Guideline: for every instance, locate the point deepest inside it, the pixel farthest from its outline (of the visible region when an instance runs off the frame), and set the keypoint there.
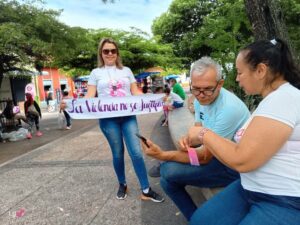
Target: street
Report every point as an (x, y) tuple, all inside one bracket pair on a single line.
[(70, 180), (49, 128)]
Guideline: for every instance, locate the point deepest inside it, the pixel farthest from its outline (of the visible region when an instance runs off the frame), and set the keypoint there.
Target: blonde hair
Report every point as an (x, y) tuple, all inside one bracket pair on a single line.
[(101, 63)]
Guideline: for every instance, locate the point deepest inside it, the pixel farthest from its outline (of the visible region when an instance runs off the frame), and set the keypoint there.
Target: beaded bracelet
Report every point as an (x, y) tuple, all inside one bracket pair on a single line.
[(201, 134)]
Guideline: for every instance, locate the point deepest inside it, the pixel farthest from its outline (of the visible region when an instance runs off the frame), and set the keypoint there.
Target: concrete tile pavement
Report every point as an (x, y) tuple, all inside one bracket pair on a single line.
[(49, 128), (71, 181)]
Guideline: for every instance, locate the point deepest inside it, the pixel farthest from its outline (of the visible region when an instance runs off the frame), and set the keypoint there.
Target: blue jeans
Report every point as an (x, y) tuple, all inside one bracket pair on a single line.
[(115, 130), (33, 119), (175, 176), (177, 104), (68, 118), (235, 206)]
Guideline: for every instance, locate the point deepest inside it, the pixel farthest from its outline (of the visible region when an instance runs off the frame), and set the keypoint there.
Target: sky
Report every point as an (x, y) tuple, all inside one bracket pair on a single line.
[(122, 14)]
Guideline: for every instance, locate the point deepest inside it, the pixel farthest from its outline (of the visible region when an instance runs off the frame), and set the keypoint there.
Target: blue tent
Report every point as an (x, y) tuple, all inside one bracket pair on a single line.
[(82, 78), (171, 76), (143, 75)]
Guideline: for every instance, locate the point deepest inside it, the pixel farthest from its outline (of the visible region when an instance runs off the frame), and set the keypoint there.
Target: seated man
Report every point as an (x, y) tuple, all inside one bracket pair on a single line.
[(217, 109)]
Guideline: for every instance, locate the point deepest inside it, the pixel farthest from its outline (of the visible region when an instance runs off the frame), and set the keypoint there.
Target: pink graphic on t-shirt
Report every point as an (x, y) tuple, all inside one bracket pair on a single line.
[(116, 88)]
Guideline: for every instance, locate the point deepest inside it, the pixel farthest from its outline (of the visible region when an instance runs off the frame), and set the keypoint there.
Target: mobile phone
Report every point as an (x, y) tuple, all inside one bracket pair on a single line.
[(143, 139)]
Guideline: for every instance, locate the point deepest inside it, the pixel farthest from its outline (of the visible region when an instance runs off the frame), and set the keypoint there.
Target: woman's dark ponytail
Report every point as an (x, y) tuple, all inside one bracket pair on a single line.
[(290, 70), (276, 54)]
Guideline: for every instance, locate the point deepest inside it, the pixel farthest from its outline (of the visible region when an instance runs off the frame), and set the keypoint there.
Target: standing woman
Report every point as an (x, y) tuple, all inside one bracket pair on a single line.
[(267, 152), (33, 115), (112, 79)]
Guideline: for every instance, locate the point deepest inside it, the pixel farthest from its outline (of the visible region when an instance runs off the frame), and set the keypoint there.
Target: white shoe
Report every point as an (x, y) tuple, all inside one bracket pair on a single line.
[(68, 128)]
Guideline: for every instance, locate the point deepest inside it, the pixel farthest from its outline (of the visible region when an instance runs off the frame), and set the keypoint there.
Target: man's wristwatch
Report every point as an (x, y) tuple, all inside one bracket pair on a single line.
[(201, 134)]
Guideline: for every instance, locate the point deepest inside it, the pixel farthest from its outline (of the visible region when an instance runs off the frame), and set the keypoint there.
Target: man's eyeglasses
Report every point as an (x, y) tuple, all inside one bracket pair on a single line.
[(107, 51), (206, 92)]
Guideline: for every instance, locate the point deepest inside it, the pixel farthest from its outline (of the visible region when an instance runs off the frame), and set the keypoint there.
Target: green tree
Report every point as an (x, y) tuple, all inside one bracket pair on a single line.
[(179, 25), (291, 15), (221, 29), (30, 36), (137, 49), (225, 30)]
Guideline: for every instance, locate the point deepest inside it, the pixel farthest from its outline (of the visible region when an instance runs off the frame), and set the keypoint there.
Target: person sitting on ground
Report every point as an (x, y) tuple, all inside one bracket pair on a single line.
[(63, 109), (171, 101), (33, 113), (9, 113), (219, 110), (177, 88)]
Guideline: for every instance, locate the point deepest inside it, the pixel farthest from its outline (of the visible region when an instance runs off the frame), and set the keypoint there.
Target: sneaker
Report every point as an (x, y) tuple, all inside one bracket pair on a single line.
[(153, 196), (154, 171), (29, 136), (39, 133), (68, 128), (122, 192)]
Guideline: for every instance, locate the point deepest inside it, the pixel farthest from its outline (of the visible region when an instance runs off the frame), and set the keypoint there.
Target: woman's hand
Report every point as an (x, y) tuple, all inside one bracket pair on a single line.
[(134, 89), (191, 139), (92, 90), (184, 143), (153, 150)]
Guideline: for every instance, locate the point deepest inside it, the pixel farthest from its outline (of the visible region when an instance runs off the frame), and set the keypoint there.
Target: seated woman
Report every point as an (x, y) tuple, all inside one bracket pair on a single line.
[(10, 114), (267, 148)]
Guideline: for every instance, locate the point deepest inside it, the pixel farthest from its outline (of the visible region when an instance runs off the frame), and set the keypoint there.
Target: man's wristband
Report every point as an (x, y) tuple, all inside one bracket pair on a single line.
[(201, 134)]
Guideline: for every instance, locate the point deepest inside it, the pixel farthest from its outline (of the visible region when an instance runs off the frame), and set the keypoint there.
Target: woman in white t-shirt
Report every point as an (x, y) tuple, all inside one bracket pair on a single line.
[(267, 152), (112, 79)]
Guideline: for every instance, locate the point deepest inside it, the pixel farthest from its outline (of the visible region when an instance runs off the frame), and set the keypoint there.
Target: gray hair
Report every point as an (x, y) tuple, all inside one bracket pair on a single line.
[(202, 64)]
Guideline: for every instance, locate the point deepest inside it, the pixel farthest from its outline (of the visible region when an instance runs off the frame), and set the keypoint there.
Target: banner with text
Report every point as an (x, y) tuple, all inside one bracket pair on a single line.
[(97, 108)]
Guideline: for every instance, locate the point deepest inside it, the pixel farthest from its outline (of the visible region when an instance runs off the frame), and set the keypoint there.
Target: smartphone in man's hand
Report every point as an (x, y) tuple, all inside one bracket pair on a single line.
[(143, 139)]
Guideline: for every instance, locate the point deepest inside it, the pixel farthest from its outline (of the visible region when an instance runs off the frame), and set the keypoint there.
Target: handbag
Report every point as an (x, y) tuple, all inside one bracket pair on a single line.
[(61, 120), (32, 110)]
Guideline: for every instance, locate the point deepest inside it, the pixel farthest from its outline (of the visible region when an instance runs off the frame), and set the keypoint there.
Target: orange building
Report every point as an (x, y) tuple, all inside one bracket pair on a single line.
[(52, 80)]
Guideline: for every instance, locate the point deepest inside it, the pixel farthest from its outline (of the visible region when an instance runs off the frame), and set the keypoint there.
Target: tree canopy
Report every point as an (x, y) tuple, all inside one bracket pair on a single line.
[(217, 28), (30, 36), (137, 50), (33, 37)]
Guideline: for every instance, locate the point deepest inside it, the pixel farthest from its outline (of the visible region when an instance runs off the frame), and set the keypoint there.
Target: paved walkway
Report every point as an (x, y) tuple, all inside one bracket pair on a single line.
[(71, 181), (49, 128)]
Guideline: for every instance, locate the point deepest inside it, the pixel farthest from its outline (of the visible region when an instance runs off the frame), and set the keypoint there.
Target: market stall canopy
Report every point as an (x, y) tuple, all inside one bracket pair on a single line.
[(171, 76), (82, 78), (143, 75)]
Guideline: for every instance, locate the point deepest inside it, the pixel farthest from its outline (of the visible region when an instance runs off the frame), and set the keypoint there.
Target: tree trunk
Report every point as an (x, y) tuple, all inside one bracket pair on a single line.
[(267, 21), (1, 78)]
